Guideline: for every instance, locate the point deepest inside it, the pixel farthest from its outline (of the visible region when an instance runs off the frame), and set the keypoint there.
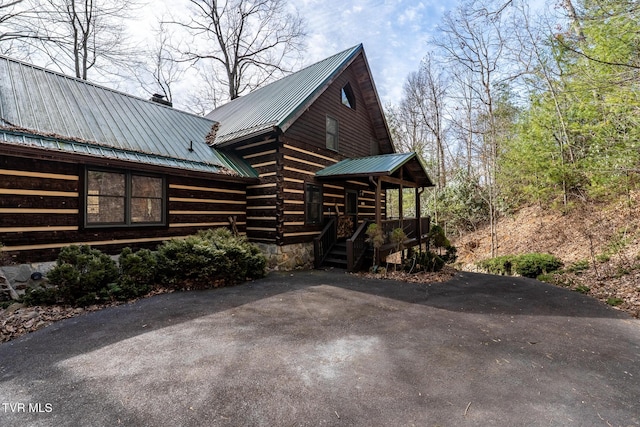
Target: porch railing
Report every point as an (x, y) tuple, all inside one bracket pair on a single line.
[(412, 227), (323, 243), (415, 230), (357, 247)]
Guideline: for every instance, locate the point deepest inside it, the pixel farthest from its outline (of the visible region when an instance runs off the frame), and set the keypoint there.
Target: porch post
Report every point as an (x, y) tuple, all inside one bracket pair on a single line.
[(419, 219), (400, 191), (376, 255), (379, 202)]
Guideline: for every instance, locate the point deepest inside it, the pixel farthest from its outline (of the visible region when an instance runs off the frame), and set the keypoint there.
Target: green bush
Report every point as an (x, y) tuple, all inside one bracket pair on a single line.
[(527, 265), (84, 276), (614, 301), (40, 296), (578, 267), (439, 241), (430, 261), (375, 235), (582, 289), (534, 264), (137, 273), (502, 265), (209, 258), (81, 274)]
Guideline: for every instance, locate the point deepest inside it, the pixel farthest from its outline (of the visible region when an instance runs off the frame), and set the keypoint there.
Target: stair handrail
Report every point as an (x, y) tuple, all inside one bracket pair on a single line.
[(324, 241), (356, 247)]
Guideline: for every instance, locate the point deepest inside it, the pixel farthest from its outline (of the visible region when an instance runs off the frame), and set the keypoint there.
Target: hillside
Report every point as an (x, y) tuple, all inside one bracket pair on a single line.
[(598, 243)]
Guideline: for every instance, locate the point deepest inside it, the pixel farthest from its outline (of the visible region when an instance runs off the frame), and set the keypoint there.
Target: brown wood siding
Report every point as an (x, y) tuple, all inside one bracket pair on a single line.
[(262, 198), (356, 132), (300, 162), (196, 204), (40, 210)]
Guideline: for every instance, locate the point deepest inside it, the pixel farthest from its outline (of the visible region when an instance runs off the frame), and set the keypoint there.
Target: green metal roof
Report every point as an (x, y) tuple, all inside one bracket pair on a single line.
[(47, 110), (277, 103), (385, 164)]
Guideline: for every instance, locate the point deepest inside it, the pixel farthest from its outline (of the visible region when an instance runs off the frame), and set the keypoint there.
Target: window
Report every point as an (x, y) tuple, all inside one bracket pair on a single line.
[(123, 199), (348, 98), (313, 203), (332, 133)]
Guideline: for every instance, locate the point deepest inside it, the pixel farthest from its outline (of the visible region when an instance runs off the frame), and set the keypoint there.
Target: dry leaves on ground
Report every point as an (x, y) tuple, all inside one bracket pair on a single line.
[(444, 275), (19, 321)]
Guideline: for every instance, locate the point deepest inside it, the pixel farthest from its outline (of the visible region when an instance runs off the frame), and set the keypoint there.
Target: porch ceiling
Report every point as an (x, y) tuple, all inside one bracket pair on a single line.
[(394, 169)]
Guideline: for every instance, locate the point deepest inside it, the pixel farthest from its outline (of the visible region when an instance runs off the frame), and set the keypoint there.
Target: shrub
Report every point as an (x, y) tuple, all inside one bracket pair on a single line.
[(614, 301), (534, 264), (137, 273), (527, 265), (40, 296), (582, 289), (502, 265), (430, 261), (375, 235), (438, 240), (397, 238), (578, 267), (81, 274), (209, 258)]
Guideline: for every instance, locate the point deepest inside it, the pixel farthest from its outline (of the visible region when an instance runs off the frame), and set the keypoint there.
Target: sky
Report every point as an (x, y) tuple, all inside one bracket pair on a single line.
[(395, 35)]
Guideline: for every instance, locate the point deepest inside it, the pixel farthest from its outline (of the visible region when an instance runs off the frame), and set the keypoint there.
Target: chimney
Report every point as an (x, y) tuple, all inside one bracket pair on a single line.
[(156, 97)]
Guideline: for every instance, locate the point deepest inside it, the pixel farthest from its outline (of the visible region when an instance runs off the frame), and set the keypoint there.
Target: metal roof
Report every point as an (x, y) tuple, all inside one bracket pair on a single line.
[(90, 119), (274, 104), (384, 164)]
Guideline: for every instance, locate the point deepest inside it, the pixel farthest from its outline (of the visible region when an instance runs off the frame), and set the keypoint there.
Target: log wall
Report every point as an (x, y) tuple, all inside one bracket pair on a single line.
[(41, 210), (261, 197), (356, 129), (299, 166)]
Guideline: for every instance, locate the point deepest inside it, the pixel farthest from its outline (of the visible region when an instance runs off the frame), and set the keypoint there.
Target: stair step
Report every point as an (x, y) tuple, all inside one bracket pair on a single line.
[(338, 261)]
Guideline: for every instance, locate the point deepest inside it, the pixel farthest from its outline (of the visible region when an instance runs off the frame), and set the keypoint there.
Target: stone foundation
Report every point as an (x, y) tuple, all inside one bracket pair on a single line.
[(16, 279), (289, 257)]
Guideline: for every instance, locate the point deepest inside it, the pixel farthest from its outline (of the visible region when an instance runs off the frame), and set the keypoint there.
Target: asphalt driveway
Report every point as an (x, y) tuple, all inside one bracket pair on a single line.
[(327, 348)]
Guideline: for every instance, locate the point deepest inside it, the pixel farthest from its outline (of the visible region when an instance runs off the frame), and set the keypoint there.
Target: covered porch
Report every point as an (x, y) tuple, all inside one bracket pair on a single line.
[(380, 173)]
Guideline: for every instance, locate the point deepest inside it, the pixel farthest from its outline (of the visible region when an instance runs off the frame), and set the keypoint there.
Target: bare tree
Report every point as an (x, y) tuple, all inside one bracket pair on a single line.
[(14, 28), (249, 40), (9, 12), (425, 95), (162, 68), (81, 35), (472, 37)]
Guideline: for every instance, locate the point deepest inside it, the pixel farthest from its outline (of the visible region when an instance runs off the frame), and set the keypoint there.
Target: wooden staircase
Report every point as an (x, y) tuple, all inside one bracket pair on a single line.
[(337, 256), (354, 253)]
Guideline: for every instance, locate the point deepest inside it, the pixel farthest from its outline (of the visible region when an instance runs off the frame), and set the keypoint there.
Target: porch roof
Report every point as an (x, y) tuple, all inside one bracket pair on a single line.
[(388, 165)]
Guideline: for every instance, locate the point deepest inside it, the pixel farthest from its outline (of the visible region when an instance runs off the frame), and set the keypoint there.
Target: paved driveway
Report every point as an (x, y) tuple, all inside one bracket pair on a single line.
[(326, 348)]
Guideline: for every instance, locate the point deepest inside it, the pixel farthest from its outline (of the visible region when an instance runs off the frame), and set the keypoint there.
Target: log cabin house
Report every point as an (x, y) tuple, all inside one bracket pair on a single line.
[(300, 166)]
